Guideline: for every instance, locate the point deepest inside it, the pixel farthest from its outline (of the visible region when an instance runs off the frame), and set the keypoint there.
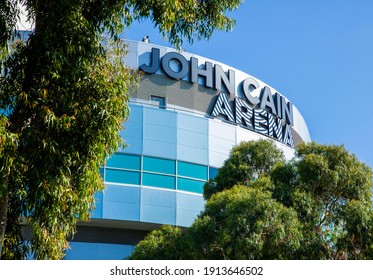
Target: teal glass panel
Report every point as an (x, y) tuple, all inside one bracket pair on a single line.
[(213, 172), (159, 165), (124, 161), (160, 181), (190, 185), (192, 170), (121, 176)]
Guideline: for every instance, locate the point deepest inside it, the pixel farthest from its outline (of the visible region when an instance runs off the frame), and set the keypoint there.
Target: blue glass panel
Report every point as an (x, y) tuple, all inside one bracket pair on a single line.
[(81, 251), (102, 172), (97, 251), (160, 101), (213, 172), (190, 185), (124, 161), (159, 165), (114, 251), (161, 181), (121, 176), (192, 170), (97, 211)]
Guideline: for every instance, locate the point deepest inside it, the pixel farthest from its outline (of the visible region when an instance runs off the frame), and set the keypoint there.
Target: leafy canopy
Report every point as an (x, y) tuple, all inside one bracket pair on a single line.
[(63, 99), (316, 206), (247, 162)]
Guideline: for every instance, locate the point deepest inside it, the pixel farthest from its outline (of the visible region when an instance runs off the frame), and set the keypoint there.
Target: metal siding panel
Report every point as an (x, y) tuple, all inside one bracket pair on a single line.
[(121, 203), (190, 202), (188, 208), (192, 154), (159, 133), (97, 212), (159, 148), (158, 206), (133, 131), (222, 137), (193, 123), (192, 139)]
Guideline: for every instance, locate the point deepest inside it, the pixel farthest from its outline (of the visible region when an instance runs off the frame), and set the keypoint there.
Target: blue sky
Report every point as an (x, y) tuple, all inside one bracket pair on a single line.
[(318, 53)]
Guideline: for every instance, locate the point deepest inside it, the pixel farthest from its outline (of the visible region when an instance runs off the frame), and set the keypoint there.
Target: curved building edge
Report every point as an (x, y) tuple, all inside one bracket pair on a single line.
[(174, 145)]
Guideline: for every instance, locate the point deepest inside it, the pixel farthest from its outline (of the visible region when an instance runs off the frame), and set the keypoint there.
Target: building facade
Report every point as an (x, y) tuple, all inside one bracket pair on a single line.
[(187, 114)]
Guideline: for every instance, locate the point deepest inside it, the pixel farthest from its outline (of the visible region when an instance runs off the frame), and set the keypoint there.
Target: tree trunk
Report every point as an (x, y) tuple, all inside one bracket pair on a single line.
[(3, 218)]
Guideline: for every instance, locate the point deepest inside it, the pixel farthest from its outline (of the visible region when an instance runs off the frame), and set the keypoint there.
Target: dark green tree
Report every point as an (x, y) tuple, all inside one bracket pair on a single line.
[(331, 190), (247, 162), (63, 99), (316, 206), (165, 243), (240, 223)]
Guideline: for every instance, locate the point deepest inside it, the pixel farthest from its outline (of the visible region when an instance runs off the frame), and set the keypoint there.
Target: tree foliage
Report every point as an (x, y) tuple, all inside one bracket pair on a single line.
[(63, 100), (316, 206), (247, 162), (163, 244), (8, 20), (332, 192)]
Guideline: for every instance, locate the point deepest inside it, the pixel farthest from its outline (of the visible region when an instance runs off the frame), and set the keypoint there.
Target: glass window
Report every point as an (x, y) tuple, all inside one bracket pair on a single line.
[(158, 101), (124, 161), (159, 165), (190, 185), (192, 170), (213, 172), (121, 176), (156, 180)]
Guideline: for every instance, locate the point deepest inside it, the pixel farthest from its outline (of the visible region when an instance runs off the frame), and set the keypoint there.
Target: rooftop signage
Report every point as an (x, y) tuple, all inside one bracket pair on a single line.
[(269, 113)]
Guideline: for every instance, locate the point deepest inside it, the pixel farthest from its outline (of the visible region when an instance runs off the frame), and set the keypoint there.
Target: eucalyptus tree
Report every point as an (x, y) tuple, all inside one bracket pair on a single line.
[(63, 100), (331, 190), (259, 206), (237, 223)]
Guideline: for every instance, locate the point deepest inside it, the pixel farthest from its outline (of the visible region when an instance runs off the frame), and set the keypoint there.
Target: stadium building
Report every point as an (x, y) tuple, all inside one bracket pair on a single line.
[(187, 114)]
